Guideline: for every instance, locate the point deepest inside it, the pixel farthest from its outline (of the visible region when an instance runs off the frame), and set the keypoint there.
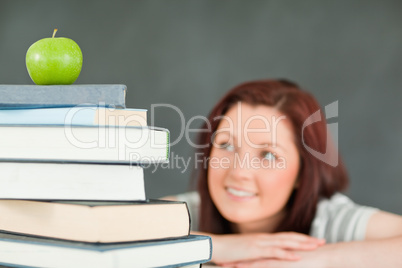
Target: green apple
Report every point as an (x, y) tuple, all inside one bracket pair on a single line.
[(54, 61)]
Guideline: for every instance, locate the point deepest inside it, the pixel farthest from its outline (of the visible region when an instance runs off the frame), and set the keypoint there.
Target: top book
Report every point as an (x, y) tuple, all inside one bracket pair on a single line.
[(33, 96)]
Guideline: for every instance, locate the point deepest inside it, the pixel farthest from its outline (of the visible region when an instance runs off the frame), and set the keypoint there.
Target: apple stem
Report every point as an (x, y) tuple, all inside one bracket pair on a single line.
[(54, 33)]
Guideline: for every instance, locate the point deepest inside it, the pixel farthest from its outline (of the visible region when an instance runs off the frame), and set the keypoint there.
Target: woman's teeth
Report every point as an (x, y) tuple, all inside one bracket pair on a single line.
[(239, 193)]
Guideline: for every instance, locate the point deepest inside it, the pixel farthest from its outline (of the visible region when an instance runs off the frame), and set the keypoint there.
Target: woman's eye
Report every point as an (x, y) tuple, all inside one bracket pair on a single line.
[(226, 146), (268, 155)]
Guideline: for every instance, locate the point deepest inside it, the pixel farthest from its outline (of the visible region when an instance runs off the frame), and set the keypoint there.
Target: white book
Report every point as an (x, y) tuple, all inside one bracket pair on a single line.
[(45, 181), (35, 252), (84, 144)]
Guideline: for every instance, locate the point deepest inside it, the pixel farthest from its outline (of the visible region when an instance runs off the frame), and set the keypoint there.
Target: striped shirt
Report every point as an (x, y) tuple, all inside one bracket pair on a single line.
[(337, 219)]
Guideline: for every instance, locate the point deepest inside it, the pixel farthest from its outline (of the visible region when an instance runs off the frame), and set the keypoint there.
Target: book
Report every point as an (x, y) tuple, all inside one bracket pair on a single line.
[(89, 144), (34, 96), (40, 252), (41, 181), (79, 115), (96, 221)]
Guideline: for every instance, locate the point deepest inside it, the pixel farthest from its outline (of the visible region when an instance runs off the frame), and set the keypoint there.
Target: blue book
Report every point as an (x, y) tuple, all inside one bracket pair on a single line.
[(26, 251), (79, 115), (33, 96)]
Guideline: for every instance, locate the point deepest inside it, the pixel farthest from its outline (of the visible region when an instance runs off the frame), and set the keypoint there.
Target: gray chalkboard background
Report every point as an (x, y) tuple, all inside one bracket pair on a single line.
[(187, 53)]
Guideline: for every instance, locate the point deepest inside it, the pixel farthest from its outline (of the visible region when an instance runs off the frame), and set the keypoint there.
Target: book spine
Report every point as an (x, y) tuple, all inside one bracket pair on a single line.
[(32, 96)]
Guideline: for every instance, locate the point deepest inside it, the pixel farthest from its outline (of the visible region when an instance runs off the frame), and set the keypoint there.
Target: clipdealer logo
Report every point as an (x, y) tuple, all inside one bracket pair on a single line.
[(331, 151)]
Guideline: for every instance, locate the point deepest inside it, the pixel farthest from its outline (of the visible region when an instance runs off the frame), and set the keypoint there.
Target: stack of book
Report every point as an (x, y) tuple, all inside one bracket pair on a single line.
[(72, 186)]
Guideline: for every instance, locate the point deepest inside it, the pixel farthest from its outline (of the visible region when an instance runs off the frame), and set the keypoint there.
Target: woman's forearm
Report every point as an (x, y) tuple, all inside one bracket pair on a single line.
[(229, 248), (369, 253), (373, 253)]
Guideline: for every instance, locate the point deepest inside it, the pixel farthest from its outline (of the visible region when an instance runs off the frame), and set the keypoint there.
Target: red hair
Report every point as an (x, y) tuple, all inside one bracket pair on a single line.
[(316, 178)]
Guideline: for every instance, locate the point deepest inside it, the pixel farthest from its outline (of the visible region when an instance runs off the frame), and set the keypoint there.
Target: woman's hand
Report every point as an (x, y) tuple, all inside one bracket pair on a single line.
[(232, 248)]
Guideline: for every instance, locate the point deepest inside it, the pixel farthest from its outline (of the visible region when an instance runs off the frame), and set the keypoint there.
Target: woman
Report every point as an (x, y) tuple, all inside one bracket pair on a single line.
[(269, 193)]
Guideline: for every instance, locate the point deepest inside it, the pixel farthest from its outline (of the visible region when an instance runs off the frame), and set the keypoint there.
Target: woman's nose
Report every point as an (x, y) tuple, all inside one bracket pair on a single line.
[(241, 167)]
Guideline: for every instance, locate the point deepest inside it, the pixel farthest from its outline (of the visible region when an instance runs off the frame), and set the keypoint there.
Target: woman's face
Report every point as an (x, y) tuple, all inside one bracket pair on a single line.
[(253, 167)]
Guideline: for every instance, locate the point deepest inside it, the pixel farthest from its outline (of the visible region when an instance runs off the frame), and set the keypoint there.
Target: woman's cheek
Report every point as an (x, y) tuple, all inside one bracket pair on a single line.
[(278, 183), (215, 179)]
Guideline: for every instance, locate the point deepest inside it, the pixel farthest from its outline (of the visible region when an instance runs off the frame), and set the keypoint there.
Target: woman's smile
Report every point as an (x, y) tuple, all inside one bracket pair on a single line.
[(240, 195)]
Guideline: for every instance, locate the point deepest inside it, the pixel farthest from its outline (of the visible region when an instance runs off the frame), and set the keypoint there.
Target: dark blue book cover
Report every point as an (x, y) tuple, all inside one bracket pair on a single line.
[(26, 251)]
